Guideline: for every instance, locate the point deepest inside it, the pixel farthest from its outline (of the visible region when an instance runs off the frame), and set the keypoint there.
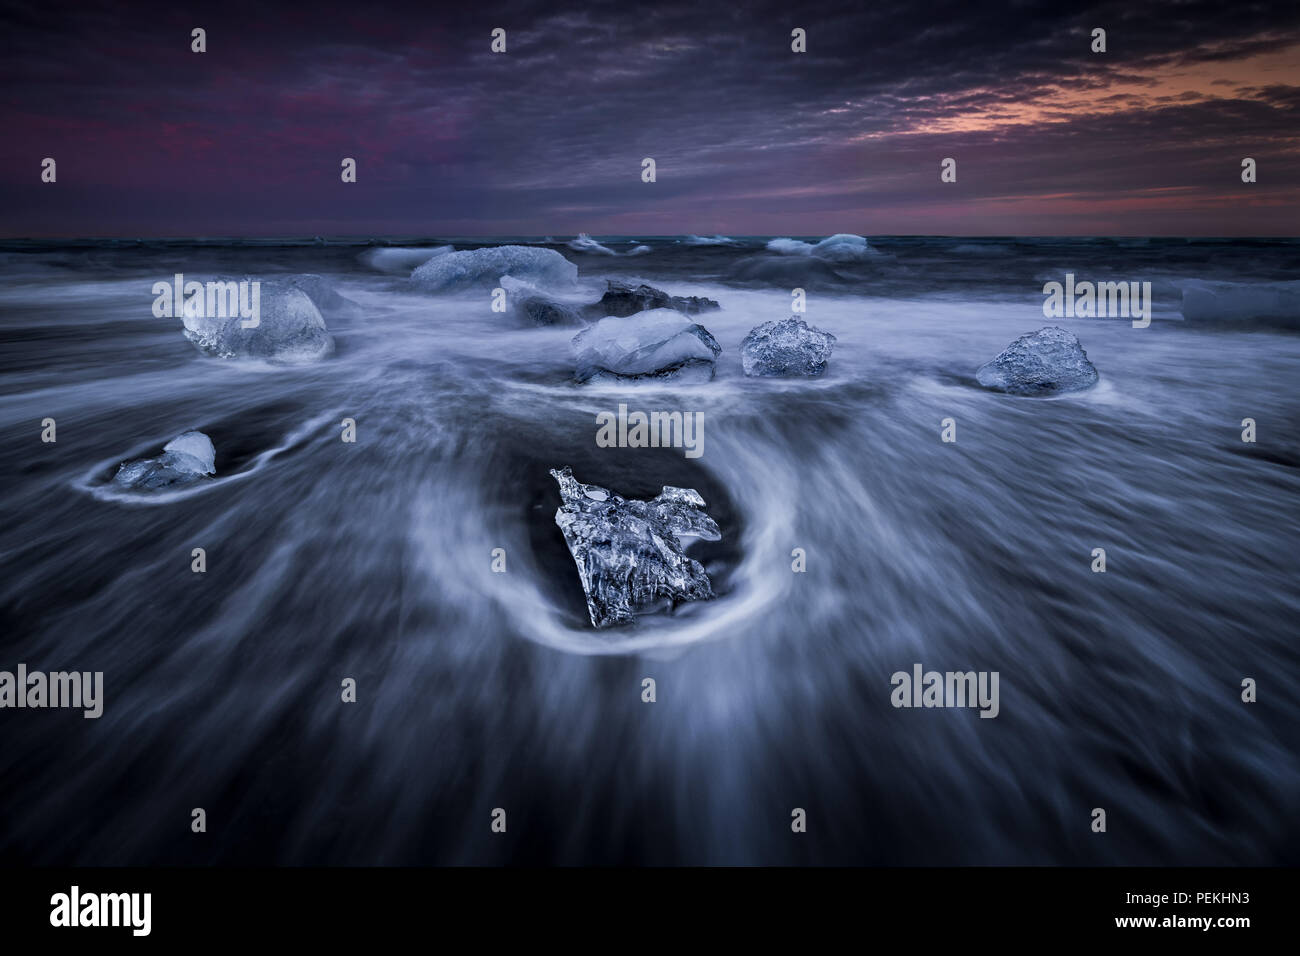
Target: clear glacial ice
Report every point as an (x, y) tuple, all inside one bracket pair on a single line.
[(483, 268), (790, 347), (629, 553), (289, 327), (1043, 363), (661, 343), (187, 458)]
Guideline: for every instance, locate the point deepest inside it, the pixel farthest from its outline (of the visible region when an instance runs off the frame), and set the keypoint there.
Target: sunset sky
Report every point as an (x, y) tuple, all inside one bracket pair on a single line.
[(749, 138)]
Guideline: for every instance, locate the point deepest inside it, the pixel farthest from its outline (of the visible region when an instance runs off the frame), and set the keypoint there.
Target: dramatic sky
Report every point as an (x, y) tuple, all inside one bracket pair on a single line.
[(749, 138)]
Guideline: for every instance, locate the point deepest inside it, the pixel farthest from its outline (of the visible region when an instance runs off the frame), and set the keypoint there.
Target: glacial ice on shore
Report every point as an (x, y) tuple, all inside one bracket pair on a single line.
[(658, 344), (484, 268), (623, 299), (1046, 362), (187, 458), (536, 307), (629, 554), (289, 327), (790, 347)]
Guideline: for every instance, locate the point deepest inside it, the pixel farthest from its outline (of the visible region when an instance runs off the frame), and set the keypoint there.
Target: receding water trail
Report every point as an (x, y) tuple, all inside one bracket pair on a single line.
[(477, 689)]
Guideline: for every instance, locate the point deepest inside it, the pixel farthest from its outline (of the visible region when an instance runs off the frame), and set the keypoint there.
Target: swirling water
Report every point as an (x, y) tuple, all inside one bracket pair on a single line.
[(479, 690)]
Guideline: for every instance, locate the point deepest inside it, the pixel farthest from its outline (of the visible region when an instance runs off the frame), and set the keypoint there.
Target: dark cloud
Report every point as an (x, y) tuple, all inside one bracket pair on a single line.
[(748, 137)]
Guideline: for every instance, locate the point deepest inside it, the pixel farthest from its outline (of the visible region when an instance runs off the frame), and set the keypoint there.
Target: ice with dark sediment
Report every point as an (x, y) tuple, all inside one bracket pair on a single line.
[(287, 326), (629, 552), (624, 299), (540, 310), (1047, 362), (483, 268), (533, 306), (790, 348), (660, 344), (186, 459)]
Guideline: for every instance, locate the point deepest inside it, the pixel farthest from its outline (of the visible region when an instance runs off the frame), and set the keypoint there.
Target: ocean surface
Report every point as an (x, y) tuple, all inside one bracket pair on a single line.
[(478, 690)]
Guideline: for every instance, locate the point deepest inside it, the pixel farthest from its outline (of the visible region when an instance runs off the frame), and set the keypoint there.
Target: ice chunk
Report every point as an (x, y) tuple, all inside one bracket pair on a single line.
[(186, 459), (289, 326), (789, 347), (841, 247), (539, 310), (323, 295), (790, 247), (483, 268), (196, 446), (628, 552), (1275, 304), (584, 243), (535, 307), (709, 241), (622, 299), (657, 344), (402, 261), (1045, 362)]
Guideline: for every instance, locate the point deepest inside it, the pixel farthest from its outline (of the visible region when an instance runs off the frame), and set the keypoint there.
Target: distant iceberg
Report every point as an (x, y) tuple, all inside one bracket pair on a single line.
[(402, 261), (1274, 304), (584, 243), (840, 247), (483, 268), (790, 247), (638, 251), (709, 241)]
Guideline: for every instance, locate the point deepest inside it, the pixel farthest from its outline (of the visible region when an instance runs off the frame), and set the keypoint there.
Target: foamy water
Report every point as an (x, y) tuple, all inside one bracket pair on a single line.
[(478, 690)]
